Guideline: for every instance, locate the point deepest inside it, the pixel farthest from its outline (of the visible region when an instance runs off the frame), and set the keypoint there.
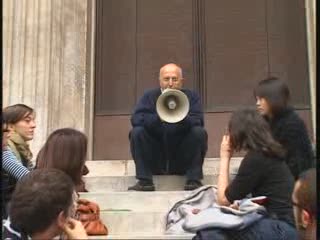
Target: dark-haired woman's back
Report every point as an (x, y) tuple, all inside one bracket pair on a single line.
[(263, 175), (290, 130)]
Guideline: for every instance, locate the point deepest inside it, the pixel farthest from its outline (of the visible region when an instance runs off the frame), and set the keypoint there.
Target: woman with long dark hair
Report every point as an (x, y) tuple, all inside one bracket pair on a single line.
[(65, 149), (262, 172), (272, 99)]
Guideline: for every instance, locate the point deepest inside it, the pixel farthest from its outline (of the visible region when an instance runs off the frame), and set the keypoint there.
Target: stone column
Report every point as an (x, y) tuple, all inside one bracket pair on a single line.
[(310, 6), (44, 62)]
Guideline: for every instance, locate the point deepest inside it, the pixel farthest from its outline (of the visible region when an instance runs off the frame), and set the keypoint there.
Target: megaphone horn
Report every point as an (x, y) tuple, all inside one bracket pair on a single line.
[(172, 105)]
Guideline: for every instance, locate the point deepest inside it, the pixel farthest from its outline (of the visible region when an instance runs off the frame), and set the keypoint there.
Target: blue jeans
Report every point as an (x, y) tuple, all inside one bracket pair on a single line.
[(265, 229)]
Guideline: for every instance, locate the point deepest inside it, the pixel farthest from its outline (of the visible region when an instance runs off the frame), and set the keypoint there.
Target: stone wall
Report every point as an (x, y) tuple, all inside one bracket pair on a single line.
[(44, 62)]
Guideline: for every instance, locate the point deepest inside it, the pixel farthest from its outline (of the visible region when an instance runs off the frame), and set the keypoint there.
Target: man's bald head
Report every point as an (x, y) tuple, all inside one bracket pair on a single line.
[(304, 197), (170, 76)]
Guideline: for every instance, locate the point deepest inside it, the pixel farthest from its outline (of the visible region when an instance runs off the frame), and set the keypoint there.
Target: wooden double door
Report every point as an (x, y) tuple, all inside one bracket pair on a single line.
[(224, 48)]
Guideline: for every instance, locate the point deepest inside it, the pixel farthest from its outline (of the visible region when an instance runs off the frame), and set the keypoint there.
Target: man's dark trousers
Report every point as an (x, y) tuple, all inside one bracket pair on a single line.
[(169, 152)]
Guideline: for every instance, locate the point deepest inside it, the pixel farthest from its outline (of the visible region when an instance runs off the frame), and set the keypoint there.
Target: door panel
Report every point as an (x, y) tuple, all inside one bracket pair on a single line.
[(115, 57), (236, 52), (111, 138), (164, 35), (288, 48), (223, 47)]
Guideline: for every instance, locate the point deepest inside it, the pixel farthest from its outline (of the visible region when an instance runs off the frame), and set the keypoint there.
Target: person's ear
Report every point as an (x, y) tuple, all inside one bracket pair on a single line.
[(181, 82), (305, 218), (62, 219)]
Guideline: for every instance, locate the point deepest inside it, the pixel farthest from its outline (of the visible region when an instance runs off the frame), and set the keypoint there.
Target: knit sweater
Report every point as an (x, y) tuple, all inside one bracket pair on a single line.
[(289, 129), (12, 166)]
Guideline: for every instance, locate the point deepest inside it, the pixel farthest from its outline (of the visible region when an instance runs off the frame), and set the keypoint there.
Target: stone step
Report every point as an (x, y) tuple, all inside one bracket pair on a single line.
[(127, 167), (119, 175), (139, 215), (136, 215), (143, 235), (134, 222), (135, 201), (161, 182)]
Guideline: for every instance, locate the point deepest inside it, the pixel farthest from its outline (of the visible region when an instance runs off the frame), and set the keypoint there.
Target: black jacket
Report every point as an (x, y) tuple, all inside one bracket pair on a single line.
[(263, 175), (289, 129)]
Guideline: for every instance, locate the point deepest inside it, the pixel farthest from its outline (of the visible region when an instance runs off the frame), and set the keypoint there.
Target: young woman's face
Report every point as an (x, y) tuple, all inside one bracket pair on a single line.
[(263, 106), (25, 127)]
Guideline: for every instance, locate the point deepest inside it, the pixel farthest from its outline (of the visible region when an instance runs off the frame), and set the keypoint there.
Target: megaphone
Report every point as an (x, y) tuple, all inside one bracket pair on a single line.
[(172, 105)]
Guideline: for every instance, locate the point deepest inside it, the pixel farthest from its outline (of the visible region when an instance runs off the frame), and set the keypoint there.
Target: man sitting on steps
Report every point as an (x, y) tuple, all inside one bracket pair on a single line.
[(158, 147)]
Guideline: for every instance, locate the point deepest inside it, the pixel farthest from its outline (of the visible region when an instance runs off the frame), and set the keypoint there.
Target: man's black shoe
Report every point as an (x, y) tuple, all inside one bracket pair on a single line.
[(142, 186), (192, 185)]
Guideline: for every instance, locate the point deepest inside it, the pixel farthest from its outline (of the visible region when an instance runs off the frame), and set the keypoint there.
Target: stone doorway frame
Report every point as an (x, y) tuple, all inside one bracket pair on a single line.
[(90, 75)]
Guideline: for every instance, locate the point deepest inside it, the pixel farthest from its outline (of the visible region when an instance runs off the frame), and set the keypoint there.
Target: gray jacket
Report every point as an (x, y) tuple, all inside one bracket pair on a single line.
[(180, 218)]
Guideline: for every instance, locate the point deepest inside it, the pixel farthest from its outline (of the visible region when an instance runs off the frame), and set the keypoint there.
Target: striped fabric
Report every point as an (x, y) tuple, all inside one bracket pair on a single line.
[(12, 166)]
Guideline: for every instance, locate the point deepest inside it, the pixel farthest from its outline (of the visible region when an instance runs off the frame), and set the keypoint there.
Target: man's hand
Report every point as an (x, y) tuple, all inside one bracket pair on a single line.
[(74, 229), (225, 149)]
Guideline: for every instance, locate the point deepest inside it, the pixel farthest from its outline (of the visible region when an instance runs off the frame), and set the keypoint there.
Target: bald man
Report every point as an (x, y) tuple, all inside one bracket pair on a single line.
[(158, 147)]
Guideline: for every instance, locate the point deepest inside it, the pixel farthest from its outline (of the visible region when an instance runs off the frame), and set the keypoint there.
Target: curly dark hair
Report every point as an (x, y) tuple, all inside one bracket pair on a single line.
[(248, 130), (39, 198)]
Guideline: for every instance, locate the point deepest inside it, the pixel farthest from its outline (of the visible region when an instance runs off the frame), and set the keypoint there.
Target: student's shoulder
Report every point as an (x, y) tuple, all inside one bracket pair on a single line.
[(8, 152), (292, 118), (258, 158)]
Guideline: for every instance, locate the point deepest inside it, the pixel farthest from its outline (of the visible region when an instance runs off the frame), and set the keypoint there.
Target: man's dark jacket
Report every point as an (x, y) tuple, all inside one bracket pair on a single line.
[(145, 113)]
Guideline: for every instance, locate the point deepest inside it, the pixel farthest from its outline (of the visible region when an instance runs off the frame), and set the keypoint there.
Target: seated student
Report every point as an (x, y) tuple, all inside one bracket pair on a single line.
[(11, 168), (272, 96), (42, 207), (66, 149), (304, 200), (10, 164), (20, 121), (262, 172)]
